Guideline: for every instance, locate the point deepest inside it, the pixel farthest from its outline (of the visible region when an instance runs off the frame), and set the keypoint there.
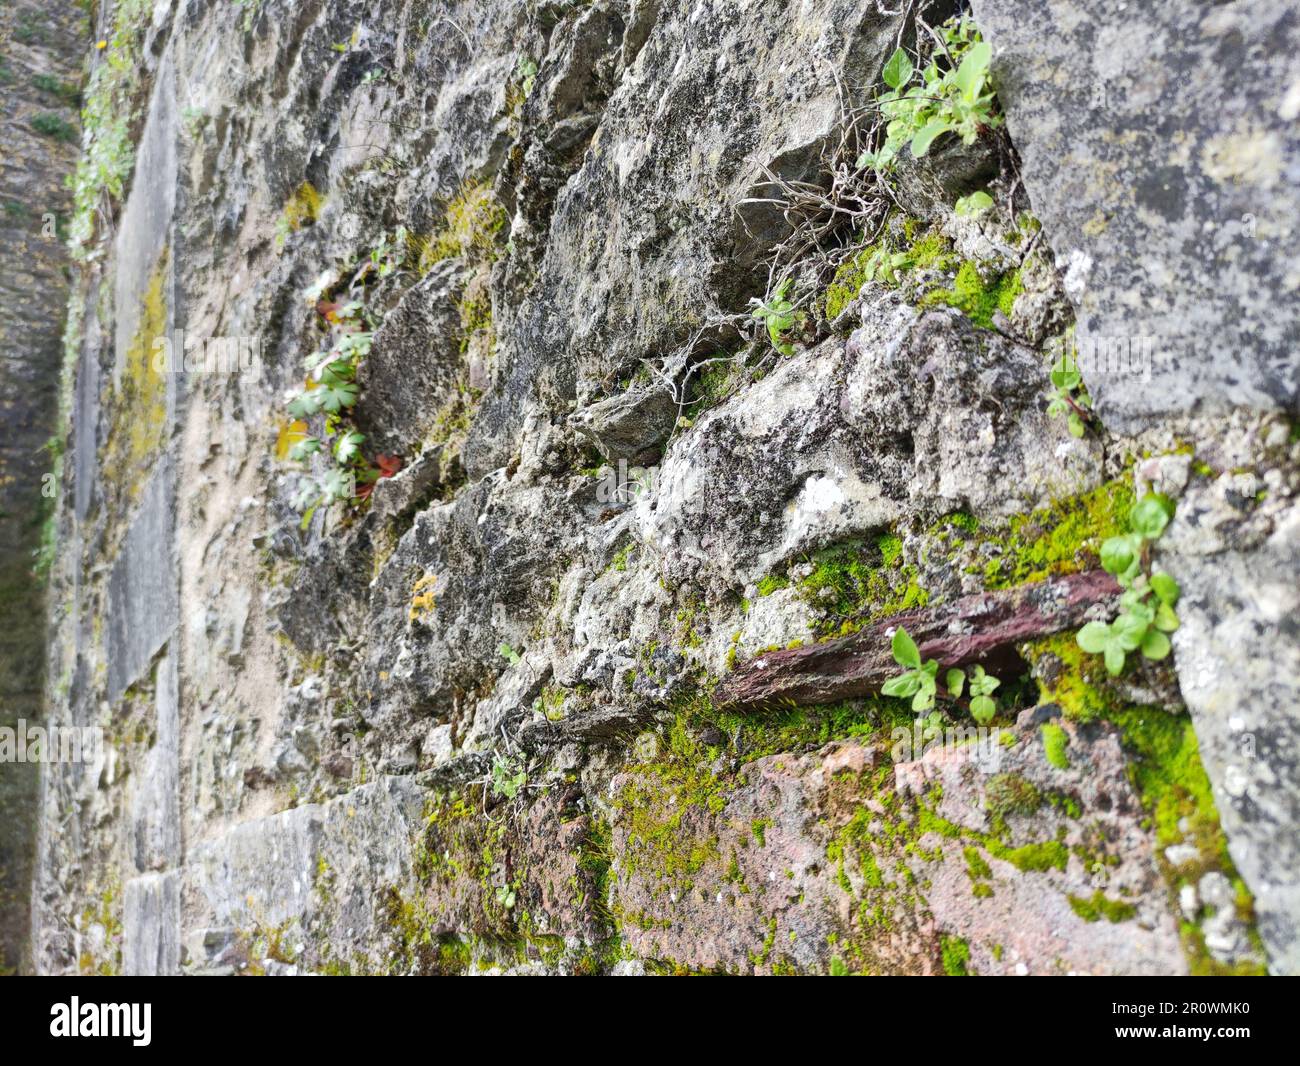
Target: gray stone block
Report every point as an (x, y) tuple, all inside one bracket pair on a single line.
[(1160, 148), (151, 925), (155, 803), (143, 607)]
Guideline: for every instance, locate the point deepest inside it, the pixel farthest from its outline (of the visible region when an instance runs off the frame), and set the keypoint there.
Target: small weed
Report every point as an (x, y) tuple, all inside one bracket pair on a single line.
[(1147, 604)]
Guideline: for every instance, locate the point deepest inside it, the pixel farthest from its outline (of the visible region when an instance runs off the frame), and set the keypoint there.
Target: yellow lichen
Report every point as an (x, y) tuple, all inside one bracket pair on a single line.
[(473, 220), (423, 603), (138, 425), (303, 206)]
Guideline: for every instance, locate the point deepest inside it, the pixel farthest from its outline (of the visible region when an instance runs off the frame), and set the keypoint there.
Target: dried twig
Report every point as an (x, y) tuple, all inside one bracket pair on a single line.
[(971, 629)]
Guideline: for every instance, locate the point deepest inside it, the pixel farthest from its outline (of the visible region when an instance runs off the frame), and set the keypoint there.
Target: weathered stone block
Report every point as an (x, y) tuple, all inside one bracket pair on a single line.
[(143, 604)]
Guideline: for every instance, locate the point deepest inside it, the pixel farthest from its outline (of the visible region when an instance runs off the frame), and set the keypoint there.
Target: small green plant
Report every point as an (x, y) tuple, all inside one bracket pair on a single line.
[(974, 204), (109, 108), (778, 314), (1146, 615), (65, 91), (506, 896), (950, 95), (919, 681), (509, 654), (508, 776), (981, 686), (330, 390), (55, 126), (1069, 397)]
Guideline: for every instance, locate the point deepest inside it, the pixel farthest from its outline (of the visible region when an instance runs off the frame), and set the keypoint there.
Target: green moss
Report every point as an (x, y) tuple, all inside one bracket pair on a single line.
[(301, 209), (621, 558), (898, 252), (55, 126), (976, 867), (1055, 741), (104, 911), (69, 93), (1100, 906), (662, 793), (1165, 770), (755, 734), (976, 296), (956, 956), (714, 382), (860, 581), (771, 584), (111, 95), (1061, 538), (473, 220), (475, 308), (1009, 794), (1048, 855)]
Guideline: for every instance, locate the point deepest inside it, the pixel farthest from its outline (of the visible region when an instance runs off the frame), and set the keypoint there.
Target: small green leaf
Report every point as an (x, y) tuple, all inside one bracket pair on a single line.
[(334, 398), (898, 69), (1119, 555), (982, 709), (1129, 630), (305, 404), (1166, 588), (970, 75), (1150, 515), (974, 204), (1114, 656), (338, 484), (1166, 620), (1075, 425), (902, 686), (956, 679), (303, 449), (1094, 637), (1065, 374), (922, 141), (348, 446), (905, 650), (1155, 645)]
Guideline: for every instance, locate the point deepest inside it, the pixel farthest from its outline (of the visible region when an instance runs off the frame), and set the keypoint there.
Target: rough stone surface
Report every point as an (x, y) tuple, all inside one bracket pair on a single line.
[(470, 721), (1241, 646), (142, 603), (1158, 148)]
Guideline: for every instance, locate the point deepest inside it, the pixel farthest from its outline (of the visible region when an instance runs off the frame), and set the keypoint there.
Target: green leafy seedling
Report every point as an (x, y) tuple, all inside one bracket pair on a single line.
[(974, 204), (918, 682), (779, 316), (508, 777), (1146, 614), (982, 705), (1069, 397), (921, 106)]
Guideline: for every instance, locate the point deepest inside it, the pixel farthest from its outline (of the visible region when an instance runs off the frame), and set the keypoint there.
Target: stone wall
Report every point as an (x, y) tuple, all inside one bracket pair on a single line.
[(473, 717), (40, 51)]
